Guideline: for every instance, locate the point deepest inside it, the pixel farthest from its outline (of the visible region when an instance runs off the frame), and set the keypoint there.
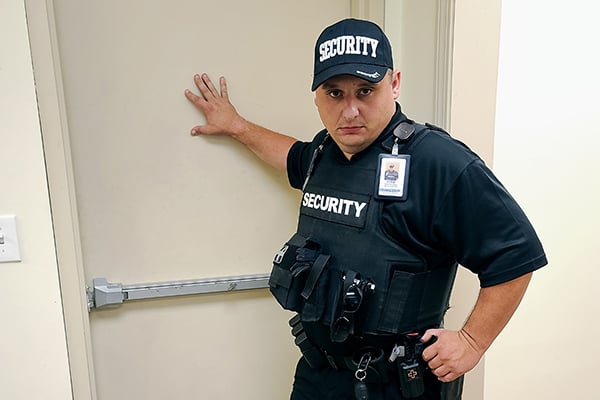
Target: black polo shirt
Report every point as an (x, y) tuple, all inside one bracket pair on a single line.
[(456, 210)]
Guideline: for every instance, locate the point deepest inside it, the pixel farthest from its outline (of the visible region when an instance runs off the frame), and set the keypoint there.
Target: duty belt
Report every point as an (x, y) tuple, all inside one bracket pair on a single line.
[(371, 364)]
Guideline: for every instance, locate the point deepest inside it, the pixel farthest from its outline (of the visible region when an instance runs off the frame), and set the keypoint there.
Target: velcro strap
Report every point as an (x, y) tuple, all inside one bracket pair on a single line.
[(297, 240), (314, 275)]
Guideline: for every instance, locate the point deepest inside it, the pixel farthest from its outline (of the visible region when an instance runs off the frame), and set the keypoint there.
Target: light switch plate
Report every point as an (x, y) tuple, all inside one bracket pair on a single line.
[(9, 242)]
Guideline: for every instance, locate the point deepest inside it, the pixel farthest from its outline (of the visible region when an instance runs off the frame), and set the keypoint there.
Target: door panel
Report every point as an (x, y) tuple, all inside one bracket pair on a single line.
[(156, 204)]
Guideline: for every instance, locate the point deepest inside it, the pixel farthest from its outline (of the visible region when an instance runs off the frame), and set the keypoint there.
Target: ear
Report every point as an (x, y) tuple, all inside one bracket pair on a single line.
[(396, 84)]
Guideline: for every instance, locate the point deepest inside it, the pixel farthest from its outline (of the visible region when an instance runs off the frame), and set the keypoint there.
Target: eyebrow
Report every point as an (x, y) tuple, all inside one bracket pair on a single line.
[(329, 85)]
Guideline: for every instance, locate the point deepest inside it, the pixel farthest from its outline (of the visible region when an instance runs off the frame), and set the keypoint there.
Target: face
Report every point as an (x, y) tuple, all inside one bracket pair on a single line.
[(355, 111)]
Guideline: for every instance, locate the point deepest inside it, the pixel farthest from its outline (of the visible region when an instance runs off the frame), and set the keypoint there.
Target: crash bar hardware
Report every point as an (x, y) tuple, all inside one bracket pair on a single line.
[(105, 294)]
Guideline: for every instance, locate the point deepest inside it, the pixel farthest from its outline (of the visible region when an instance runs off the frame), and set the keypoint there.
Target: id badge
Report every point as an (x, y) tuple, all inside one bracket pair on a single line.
[(392, 175)]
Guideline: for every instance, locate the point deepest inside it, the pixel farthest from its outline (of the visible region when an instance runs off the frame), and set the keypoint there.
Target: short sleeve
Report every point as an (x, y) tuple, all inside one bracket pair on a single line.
[(485, 228), (299, 158)]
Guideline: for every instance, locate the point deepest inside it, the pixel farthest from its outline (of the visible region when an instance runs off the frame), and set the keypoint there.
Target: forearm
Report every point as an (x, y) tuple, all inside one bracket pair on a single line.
[(455, 353), (493, 309), (271, 147)]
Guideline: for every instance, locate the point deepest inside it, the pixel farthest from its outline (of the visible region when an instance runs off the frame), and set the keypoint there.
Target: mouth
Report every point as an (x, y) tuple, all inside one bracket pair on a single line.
[(349, 130)]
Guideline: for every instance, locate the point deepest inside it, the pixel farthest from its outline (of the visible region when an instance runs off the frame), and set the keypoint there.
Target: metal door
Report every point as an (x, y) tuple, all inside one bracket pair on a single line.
[(155, 204)]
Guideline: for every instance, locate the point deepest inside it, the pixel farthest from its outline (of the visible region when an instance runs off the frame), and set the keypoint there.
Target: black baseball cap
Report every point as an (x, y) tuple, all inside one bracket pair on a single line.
[(352, 47)]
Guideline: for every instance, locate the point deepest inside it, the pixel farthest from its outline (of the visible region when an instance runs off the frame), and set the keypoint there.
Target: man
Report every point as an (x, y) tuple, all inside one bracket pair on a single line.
[(370, 269), (391, 174)]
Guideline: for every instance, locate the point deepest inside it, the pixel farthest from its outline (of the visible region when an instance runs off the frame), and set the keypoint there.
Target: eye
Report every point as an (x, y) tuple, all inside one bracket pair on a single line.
[(335, 93), (365, 91)]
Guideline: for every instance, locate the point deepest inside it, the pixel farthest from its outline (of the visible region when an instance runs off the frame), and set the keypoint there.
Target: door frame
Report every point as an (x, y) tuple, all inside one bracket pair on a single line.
[(52, 113), (57, 153)]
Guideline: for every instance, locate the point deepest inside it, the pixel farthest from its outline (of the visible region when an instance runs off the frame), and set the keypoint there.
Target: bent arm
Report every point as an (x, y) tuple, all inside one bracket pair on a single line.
[(493, 309), (223, 119), (457, 352)]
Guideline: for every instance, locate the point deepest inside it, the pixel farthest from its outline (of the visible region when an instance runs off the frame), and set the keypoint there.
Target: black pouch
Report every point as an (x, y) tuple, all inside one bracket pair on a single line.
[(291, 266), (315, 290), (400, 302), (416, 300)]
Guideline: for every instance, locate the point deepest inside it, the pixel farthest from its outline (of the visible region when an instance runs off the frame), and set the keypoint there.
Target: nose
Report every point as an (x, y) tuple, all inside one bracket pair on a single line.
[(350, 110)]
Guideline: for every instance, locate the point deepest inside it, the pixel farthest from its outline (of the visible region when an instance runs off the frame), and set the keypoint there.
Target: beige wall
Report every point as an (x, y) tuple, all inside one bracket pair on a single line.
[(33, 355), (546, 152), (474, 71)]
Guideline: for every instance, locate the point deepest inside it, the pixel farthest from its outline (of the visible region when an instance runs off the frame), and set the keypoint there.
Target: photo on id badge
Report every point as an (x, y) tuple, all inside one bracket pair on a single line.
[(393, 176)]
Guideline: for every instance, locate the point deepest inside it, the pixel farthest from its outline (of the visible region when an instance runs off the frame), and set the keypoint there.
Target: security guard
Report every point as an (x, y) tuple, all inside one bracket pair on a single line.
[(370, 269)]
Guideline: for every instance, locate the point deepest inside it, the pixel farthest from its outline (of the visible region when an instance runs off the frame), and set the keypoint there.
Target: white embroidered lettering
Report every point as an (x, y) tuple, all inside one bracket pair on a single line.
[(374, 44), (342, 45), (325, 203), (311, 199), (317, 200), (305, 199), (333, 203), (350, 45), (323, 52), (359, 207), (347, 203), (362, 41)]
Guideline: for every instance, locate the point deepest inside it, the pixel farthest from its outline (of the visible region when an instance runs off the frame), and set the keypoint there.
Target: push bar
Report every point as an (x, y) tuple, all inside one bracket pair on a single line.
[(104, 294)]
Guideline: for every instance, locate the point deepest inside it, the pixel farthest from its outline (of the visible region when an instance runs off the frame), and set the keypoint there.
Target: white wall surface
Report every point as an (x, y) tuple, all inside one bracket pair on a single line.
[(33, 354), (474, 76), (546, 153)]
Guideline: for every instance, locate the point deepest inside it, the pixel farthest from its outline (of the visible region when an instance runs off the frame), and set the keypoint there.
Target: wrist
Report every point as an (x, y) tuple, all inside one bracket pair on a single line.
[(473, 342), (240, 128)]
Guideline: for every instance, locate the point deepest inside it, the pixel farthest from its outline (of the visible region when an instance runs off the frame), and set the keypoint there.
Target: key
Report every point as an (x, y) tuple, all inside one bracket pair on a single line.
[(361, 392)]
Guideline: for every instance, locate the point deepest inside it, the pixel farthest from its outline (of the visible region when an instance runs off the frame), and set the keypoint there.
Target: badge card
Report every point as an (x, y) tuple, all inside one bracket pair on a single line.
[(393, 176)]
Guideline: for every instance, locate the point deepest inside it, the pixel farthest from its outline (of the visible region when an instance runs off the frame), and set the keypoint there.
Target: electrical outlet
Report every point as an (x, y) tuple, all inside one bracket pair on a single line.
[(9, 242)]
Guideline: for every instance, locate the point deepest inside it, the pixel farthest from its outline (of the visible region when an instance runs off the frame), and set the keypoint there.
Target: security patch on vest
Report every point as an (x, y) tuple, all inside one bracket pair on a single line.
[(393, 176), (335, 206)]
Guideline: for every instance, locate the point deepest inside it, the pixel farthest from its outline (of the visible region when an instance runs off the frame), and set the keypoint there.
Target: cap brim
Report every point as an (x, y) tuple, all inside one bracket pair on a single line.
[(368, 72)]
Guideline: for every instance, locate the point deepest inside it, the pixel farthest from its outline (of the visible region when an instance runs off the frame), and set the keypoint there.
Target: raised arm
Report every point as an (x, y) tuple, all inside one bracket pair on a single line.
[(223, 119), (455, 353)]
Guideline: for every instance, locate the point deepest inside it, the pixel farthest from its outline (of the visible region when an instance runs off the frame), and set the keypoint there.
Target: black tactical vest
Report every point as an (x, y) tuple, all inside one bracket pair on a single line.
[(340, 219)]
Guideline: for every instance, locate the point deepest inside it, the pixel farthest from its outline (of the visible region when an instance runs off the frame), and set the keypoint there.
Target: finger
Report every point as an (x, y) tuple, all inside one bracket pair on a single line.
[(223, 84), (197, 130), (207, 83), (429, 352), (202, 87), (428, 355), (430, 333), (192, 97), (434, 363), (429, 359), (441, 371), (449, 377)]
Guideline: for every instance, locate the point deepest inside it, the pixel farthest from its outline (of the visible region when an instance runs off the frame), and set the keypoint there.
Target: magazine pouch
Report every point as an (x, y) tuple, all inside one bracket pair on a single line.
[(291, 268)]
